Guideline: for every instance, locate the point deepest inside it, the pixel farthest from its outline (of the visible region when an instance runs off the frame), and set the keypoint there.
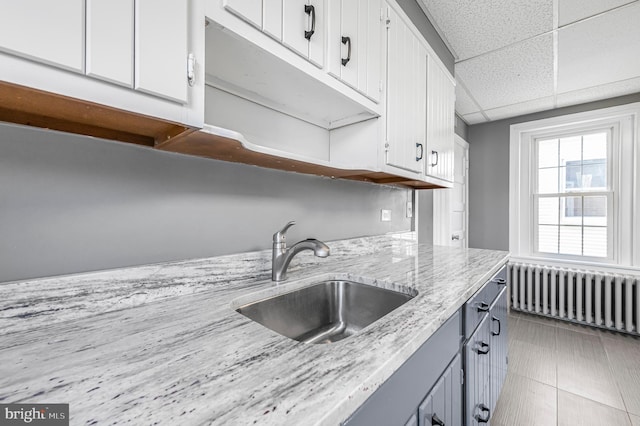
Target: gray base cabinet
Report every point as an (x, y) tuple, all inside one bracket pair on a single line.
[(442, 406), (456, 376), (485, 350)]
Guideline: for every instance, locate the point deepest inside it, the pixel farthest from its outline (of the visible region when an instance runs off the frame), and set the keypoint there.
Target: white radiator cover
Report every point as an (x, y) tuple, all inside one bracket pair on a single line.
[(606, 300)]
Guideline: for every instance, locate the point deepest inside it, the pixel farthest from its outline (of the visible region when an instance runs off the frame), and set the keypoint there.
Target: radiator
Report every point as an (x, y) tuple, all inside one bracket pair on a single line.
[(606, 300)]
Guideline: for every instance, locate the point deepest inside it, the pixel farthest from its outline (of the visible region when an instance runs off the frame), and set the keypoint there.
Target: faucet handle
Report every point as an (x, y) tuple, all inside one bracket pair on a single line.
[(279, 237)]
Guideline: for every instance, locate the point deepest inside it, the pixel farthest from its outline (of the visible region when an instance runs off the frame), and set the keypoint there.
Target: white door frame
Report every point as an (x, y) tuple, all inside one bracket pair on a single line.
[(442, 233)]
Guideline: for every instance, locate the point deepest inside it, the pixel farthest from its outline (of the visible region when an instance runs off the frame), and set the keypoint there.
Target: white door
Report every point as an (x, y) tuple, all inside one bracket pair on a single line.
[(450, 206)]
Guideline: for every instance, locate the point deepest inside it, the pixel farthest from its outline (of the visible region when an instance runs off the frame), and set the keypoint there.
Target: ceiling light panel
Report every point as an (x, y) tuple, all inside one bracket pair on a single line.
[(516, 74), (599, 50), (474, 27)]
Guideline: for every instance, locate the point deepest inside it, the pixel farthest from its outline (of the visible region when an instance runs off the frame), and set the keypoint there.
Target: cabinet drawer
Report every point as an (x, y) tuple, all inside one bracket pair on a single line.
[(478, 305)]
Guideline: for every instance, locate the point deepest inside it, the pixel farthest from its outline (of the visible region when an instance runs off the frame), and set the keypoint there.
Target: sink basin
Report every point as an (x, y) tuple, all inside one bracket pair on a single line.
[(325, 312)]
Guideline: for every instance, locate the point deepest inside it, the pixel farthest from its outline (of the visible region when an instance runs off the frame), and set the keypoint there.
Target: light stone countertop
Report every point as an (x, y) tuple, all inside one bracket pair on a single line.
[(162, 344)]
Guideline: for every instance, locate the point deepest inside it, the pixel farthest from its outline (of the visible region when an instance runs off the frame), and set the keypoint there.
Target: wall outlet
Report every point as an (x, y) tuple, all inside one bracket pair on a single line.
[(385, 215), (409, 209)]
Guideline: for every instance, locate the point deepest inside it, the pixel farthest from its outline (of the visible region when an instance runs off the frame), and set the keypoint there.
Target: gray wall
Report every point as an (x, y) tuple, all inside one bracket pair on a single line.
[(420, 20), (489, 173), (70, 203)]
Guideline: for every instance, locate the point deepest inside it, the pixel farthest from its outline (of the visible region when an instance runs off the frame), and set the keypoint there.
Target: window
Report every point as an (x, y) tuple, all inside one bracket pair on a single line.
[(573, 199), (574, 188)]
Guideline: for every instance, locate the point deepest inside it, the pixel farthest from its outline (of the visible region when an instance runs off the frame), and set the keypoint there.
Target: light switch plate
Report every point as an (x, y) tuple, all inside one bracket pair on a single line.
[(409, 209), (385, 215)]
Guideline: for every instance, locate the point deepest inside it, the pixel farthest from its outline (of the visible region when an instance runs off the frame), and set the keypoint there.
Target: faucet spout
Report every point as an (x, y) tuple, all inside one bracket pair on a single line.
[(281, 255)]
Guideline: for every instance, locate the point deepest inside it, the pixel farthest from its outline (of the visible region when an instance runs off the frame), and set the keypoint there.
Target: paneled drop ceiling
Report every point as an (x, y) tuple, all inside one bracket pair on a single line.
[(515, 57)]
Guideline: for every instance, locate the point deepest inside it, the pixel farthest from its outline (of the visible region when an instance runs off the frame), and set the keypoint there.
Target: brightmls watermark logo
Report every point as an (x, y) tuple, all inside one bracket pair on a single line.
[(34, 414)]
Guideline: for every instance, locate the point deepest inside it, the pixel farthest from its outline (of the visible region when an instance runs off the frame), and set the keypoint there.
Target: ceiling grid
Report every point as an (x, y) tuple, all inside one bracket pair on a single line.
[(515, 57)]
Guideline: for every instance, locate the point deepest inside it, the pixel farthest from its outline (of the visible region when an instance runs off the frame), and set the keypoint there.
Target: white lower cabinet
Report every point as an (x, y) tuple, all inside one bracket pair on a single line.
[(47, 31)]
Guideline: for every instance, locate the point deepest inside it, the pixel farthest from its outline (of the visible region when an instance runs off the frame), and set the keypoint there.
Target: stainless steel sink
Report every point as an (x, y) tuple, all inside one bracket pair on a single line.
[(325, 312)]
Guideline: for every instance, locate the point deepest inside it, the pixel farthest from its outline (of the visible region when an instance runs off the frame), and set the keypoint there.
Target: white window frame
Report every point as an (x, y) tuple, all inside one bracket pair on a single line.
[(624, 181)]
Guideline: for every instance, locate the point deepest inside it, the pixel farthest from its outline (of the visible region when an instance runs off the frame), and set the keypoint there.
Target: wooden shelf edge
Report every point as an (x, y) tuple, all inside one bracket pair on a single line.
[(32, 107), (222, 148)]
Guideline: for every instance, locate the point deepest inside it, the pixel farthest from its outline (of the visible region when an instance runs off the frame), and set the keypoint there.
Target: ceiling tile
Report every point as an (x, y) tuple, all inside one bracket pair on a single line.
[(464, 103), (521, 108), (575, 10), (605, 91), (512, 75), (474, 118), (599, 50), (473, 27)]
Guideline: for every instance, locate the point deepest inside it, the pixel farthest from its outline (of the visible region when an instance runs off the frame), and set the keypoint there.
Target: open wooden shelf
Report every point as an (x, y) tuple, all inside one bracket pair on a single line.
[(27, 106)]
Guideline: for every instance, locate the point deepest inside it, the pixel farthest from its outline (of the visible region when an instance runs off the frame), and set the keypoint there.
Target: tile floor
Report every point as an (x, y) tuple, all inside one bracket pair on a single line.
[(565, 374)]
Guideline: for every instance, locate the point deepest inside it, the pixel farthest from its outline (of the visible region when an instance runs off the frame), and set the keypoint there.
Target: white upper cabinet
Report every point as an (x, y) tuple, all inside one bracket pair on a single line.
[(249, 10), (406, 97), (440, 123), (110, 40), (303, 28), (354, 44), (46, 31), (271, 18), (161, 48)]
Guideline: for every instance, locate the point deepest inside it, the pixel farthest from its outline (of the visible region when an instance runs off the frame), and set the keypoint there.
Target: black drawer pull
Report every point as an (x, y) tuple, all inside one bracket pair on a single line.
[(483, 307), (497, 333), (484, 409), (483, 349), (500, 281), (435, 420)]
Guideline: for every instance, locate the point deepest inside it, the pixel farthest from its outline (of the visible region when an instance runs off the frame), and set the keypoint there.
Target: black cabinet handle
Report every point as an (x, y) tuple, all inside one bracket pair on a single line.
[(419, 151), (436, 162), (483, 349), (347, 41), (485, 419), (494, 333), (500, 281), (435, 420), (310, 10), (483, 307)]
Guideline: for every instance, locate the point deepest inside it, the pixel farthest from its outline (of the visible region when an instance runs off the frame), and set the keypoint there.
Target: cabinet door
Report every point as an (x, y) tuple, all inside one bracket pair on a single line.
[(303, 30), (250, 11), (110, 40), (370, 46), (44, 30), (440, 123), (406, 97), (443, 404), (161, 48), (354, 44), (316, 41), (272, 18), (477, 374), (499, 345)]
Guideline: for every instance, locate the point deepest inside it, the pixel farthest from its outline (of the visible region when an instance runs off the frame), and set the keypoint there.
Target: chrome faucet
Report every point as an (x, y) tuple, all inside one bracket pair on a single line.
[(282, 256)]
